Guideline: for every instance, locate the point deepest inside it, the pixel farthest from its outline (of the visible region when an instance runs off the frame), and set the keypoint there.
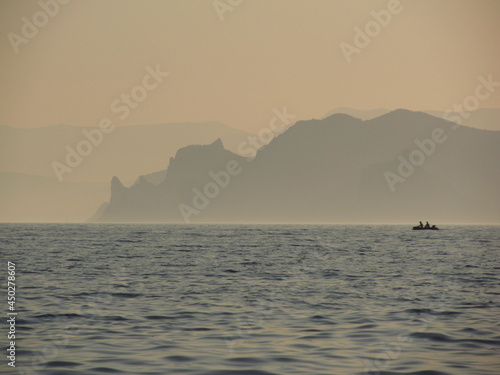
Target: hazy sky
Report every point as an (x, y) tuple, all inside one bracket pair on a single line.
[(263, 54)]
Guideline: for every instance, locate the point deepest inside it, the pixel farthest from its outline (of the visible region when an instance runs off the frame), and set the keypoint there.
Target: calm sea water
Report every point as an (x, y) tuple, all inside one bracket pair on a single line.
[(261, 300)]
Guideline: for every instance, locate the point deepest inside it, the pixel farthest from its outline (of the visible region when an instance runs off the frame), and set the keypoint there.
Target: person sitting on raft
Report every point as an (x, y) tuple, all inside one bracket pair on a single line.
[(421, 225), (427, 225)]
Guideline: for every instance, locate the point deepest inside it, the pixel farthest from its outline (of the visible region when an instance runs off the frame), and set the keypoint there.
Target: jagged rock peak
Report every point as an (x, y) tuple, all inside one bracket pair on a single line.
[(116, 185), (115, 182)]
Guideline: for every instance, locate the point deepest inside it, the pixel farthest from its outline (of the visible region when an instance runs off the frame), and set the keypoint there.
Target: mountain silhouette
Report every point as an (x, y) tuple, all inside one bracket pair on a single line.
[(482, 118), (147, 201), (336, 170), (32, 192)]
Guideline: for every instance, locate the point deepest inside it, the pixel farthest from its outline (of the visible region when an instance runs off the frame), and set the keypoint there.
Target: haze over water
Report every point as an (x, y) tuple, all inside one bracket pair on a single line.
[(190, 112), (93, 90), (255, 299)]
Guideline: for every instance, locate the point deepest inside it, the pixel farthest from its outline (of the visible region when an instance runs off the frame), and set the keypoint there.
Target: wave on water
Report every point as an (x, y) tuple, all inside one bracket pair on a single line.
[(255, 299)]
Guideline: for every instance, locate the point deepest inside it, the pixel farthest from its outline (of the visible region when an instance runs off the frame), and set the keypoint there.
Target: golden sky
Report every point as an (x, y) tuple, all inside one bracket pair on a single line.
[(238, 62)]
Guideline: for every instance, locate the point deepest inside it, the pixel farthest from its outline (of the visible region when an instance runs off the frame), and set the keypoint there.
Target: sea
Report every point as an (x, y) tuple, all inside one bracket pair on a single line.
[(251, 299)]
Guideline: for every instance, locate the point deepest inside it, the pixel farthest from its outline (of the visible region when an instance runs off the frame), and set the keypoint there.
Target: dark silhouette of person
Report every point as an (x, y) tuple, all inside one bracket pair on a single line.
[(421, 225), (427, 225)]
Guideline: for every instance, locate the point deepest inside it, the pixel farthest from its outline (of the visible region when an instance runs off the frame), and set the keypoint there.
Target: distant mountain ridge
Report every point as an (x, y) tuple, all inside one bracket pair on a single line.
[(332, 170), (128, 151), (482, 118)]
